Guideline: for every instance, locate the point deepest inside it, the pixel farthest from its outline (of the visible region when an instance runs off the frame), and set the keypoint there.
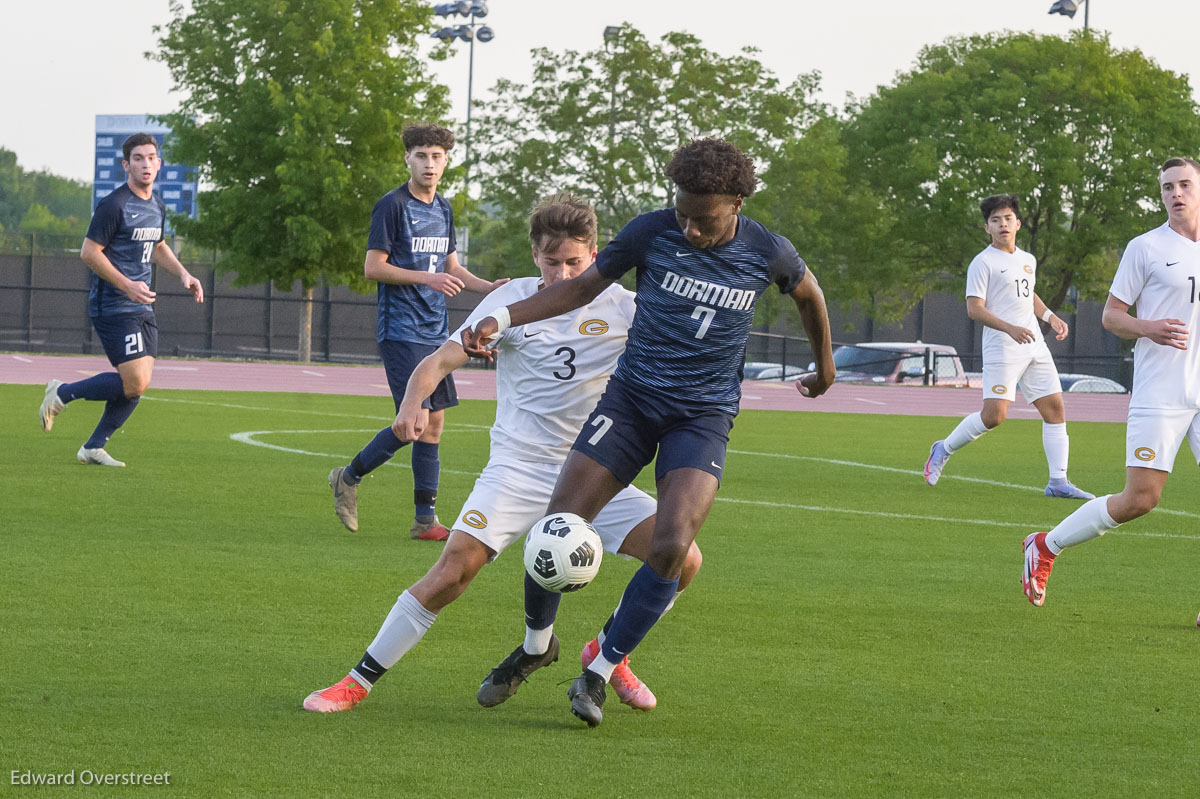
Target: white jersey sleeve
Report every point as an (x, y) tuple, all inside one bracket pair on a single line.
[(1160, 275), (1005, 281)]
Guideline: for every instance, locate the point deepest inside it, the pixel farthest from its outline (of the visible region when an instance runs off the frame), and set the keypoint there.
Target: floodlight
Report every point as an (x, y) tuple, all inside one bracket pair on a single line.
[(485, 34), (1065, 7), (479, 8), (611, 33)]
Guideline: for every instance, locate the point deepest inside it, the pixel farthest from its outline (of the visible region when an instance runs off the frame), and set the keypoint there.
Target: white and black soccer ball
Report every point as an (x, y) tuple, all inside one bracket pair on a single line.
[(563, 552)]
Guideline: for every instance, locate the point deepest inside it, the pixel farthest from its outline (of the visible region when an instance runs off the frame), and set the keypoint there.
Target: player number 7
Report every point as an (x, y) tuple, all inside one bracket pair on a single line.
[(706, 315), (602, 422)]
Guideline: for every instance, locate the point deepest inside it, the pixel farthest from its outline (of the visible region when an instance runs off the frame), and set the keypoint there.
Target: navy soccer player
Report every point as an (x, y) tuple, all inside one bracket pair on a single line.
[(411, 254), (125, 236), (701, 267)]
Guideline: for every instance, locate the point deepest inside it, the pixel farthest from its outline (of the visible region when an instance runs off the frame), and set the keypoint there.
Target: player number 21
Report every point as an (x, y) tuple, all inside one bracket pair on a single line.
[(134, 344), (705, 315)]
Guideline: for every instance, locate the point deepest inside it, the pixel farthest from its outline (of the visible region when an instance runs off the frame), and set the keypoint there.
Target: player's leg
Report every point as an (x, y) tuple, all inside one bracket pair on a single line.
[(135, 367), (999, 382), (426, 468), (1043, 390), (1152, 440), (406, 624)]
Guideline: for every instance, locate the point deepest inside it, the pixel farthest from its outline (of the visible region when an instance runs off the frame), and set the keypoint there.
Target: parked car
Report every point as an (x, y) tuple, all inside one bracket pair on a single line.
[(762, 370), (897, 362), (1090, 384)]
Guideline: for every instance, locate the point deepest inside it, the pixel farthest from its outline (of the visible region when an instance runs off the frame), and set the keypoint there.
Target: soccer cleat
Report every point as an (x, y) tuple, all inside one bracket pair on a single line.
[(1038, 563), (504, 680), (345, 499), (342, 696), (587, 697), (428, 531), (1067, 490), (51, 405), (630, 690), (97, 457), (936, 462)]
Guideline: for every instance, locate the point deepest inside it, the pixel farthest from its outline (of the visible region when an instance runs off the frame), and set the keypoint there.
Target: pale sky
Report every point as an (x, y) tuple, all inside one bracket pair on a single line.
[(62, 62)]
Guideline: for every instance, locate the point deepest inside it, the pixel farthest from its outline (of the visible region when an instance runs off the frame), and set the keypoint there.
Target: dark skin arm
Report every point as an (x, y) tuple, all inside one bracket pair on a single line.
[(810, 302), (563, 296)]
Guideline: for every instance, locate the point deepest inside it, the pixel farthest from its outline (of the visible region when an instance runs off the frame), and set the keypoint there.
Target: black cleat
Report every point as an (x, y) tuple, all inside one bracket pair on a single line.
[(587, 697), (504, 680)]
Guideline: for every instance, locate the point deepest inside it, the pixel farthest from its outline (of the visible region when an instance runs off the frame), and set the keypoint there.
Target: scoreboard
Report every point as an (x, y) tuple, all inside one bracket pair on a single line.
[(176, 183)]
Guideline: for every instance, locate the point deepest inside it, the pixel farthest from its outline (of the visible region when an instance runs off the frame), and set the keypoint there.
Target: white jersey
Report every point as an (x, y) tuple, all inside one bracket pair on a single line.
[(1160, 274), (1004, 281), (550, 374)]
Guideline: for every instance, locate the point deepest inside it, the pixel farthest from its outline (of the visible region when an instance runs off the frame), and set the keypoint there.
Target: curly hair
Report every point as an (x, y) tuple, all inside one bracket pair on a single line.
[(562, 216), (997, 202), (711, 166), (427, 135)]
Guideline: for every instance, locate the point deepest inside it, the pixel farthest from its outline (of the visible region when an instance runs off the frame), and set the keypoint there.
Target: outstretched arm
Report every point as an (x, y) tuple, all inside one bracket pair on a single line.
[(563, 296), (412, 418), (810, 302)]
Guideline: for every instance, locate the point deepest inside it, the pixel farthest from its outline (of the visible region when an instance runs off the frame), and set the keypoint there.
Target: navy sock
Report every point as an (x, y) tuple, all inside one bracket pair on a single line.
[(644, 602), (541, 606), (115, 414), (102, 387), (381, 449), (426, 469)]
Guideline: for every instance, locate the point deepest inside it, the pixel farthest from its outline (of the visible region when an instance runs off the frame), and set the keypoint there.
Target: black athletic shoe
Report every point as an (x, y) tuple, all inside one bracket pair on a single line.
[(504, 680), (587, 697)]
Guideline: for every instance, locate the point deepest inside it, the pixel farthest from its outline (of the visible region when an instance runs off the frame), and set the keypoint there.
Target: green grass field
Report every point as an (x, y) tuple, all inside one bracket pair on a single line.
[(852, 632)]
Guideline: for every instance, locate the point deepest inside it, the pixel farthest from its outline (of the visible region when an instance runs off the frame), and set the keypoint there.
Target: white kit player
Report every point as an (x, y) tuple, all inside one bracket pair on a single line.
[(1000, 296), (1159, 273), (549, 377)]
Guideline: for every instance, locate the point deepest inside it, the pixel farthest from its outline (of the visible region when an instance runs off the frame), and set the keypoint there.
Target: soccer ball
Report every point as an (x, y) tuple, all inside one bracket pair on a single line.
[(562, 552)]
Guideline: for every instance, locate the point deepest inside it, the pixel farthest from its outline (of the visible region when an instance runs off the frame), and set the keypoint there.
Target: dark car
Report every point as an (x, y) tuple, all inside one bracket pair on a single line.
[(898, 362), (1090, 384)]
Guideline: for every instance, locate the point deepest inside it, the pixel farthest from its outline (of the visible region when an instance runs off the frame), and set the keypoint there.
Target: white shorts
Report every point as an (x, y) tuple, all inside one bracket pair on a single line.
[(510, 495), (1154, 435), (1036, 376)]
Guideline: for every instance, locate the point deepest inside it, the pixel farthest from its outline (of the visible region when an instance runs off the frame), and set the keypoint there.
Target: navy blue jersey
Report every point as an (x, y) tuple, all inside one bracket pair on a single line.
[(417, 236), (128, 228), (695, 307)]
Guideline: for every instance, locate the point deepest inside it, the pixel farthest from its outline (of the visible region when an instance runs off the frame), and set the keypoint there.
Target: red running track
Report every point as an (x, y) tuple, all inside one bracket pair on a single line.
[(481, 384)]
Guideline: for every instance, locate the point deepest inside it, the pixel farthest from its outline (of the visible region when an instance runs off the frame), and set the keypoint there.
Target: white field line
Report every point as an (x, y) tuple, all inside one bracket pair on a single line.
[(248, 437), (314, 374), (22, 360)]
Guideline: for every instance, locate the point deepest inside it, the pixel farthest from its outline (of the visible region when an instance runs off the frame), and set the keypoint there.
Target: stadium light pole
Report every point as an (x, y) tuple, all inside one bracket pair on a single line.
[(1068, 8), (468, 32)]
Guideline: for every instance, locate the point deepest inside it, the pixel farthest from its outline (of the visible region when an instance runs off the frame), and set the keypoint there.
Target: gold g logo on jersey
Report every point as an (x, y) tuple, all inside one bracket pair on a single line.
[(475, 519), (999, 389), (1028, 269), (594, 327), (1144, 454)]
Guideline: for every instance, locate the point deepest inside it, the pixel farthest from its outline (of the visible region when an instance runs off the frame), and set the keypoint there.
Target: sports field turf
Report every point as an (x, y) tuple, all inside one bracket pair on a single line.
[(852, 632)]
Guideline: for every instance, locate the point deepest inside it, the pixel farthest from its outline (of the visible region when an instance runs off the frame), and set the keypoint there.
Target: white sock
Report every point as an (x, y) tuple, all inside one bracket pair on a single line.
[(537, 641), (602, 667), (1058, 449), (401, 630), (969, 429), (1090, 521)]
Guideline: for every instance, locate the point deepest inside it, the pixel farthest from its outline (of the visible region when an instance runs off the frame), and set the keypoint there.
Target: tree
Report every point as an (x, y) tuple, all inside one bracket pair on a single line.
[(605, 124), (41, 202), (292, 114), (1073, 126)]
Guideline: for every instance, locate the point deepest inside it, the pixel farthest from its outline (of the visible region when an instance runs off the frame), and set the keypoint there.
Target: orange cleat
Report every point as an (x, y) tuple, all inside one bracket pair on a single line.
[(630, 690), (1038, 563), (343, 696)]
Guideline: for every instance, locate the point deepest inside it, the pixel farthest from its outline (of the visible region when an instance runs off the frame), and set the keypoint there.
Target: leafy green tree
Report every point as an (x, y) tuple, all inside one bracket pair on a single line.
[(40, 219), (40, 202), (292, 113), (1073, 126), (605, 123)]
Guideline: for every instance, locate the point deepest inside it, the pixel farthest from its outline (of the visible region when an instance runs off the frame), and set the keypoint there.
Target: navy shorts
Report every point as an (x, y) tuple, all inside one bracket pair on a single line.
[(400, 359), (630, 425), (127, 337)]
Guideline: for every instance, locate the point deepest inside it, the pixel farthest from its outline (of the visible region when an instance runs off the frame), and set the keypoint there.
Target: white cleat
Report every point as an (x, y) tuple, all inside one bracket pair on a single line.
[(51, 405), (97, 457)]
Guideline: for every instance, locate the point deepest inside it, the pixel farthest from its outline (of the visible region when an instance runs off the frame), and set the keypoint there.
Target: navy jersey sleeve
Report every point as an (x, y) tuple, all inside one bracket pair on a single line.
[(628, 250), (785, 268), (162, 209), (386, 225), (450, 225), (105, 222)]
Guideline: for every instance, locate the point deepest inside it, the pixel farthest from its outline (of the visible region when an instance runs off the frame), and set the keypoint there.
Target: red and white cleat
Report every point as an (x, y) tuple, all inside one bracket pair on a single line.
[(630, 690), (343, 696), (428, 531), (1038, 561)]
